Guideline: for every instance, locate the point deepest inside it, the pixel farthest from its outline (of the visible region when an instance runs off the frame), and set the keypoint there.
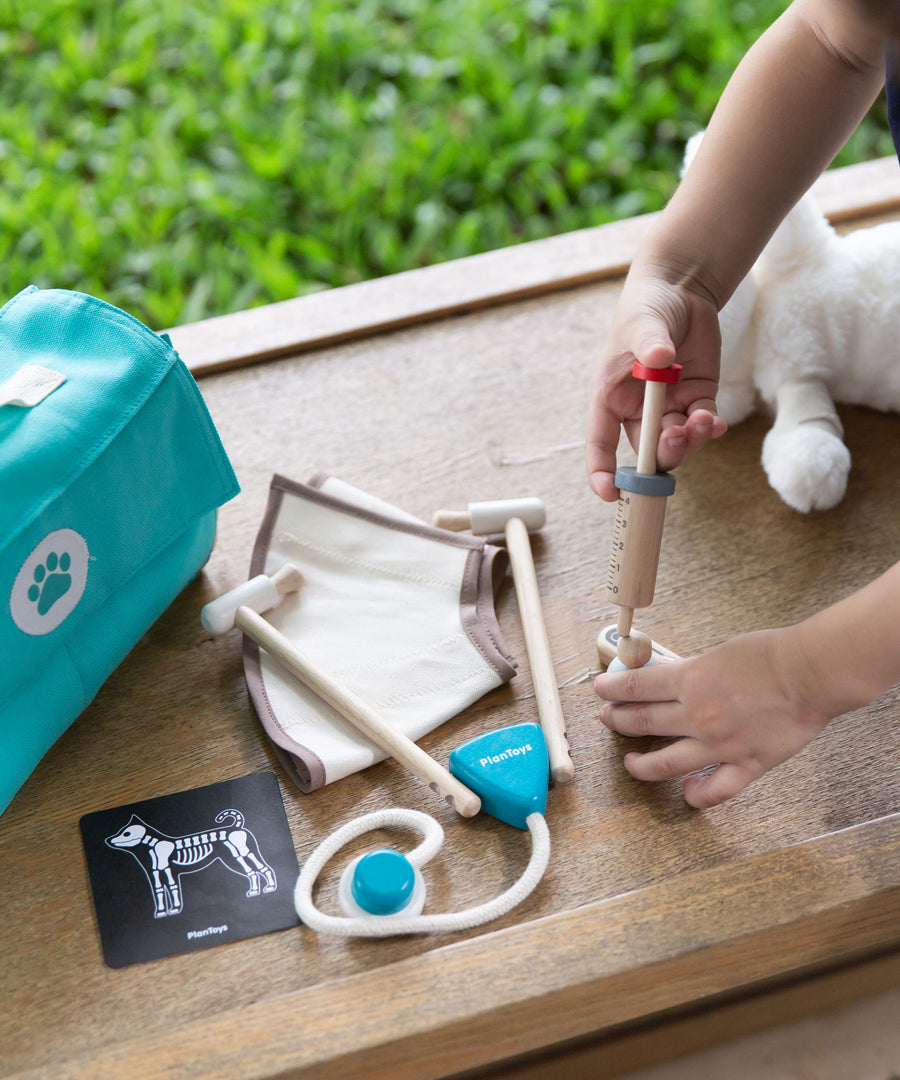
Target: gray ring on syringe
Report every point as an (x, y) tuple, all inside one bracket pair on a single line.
[(658, 483)]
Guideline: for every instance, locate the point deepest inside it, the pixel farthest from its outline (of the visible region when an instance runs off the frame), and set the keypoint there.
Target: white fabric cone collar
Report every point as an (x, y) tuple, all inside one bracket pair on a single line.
[(399, 612)]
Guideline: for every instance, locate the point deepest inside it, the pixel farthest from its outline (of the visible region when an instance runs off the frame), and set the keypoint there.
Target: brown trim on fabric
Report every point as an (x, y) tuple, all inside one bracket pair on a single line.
[(296, 768), (483, 573), (304, 767)]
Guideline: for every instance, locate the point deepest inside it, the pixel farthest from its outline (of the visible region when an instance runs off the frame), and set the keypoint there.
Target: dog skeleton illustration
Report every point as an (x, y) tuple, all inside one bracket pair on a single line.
[(165, 858)]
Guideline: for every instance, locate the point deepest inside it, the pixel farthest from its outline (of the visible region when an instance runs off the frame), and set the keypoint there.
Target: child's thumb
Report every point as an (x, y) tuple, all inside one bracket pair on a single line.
[(653, 343)]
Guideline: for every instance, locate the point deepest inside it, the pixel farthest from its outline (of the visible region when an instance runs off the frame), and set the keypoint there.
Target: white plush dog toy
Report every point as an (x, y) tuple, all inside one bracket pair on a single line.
[(815, 321)]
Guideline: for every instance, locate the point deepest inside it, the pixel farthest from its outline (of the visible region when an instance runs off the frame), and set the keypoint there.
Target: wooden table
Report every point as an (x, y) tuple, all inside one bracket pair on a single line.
[(657, 928)]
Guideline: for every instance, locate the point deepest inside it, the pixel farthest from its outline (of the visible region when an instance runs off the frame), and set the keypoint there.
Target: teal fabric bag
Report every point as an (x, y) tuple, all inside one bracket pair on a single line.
[(110, 475)]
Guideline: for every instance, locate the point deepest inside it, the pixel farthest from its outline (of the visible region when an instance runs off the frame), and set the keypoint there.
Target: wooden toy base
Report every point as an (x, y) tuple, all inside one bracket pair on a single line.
[(607, 641)]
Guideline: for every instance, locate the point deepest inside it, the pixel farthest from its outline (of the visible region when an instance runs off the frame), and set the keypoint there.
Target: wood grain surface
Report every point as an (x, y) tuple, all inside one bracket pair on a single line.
[(648, 906)]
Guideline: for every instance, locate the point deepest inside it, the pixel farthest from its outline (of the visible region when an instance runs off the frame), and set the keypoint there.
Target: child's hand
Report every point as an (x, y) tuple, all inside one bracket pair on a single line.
[(741, 706), (656, 322)]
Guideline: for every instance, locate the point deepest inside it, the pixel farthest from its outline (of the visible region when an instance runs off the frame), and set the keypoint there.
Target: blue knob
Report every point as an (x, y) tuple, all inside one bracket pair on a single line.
[(383, 882)]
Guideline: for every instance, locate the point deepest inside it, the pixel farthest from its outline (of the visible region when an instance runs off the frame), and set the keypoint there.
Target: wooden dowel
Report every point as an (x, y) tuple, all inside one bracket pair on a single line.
[(454, 520), (651, 424), (358, 713), (537, 645), (287, 579)]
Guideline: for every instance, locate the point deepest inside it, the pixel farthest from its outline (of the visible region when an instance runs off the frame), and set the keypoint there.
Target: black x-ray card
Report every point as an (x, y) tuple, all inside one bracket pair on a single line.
[(187, 871)]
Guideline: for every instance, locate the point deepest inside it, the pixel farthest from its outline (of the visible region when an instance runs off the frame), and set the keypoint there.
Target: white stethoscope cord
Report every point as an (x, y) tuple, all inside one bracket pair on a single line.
[(433, 836)]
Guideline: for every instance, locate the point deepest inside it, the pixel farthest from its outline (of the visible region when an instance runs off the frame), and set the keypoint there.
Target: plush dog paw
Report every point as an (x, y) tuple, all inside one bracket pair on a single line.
[(807, 465)]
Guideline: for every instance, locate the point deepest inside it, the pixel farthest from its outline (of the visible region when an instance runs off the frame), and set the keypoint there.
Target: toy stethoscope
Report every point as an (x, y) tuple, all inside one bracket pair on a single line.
[(382, 893)]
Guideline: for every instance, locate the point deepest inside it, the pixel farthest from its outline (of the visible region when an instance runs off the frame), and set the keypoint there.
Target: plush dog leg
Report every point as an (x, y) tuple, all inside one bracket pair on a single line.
[(803, 455), (736, 397)]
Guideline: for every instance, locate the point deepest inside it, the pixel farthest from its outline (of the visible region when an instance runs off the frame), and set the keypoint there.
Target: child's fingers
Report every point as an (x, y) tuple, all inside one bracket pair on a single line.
[(703, 408), (679, 759), (600, 452), (616, 396), (658, 718), (671, 448), (703, 424), (721, 785), (656, 682), (680, 435)]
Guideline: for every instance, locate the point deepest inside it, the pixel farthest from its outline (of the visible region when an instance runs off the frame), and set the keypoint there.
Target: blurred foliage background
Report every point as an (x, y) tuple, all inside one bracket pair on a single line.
[(184, 158)]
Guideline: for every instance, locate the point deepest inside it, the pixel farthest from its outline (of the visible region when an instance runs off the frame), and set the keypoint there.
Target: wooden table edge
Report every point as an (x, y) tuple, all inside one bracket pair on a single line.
[(526, 270), (803, 909)]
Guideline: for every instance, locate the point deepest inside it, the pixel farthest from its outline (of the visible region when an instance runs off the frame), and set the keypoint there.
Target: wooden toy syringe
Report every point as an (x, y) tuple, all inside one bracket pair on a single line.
[(639, 520)]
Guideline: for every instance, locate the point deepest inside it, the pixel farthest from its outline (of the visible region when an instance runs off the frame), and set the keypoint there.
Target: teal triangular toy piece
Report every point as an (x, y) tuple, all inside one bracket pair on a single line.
[(509, 769)]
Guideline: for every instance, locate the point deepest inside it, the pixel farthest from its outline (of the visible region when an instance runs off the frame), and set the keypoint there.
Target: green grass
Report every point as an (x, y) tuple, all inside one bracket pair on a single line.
[(183, 158)]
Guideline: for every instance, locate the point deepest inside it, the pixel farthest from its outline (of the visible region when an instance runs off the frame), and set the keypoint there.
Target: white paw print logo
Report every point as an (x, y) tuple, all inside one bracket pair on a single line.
[(50, 582)]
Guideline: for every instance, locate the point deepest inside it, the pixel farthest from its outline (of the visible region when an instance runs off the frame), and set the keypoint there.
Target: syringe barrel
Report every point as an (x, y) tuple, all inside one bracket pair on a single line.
[(637, 538)]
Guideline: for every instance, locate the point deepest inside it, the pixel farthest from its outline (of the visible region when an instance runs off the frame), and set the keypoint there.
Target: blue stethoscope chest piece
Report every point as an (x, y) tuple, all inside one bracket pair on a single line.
[(509, 769), (381, 883)]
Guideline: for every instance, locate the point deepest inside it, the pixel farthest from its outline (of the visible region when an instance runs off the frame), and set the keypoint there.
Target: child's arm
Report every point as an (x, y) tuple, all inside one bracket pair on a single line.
[(751, 703), (790, 105)]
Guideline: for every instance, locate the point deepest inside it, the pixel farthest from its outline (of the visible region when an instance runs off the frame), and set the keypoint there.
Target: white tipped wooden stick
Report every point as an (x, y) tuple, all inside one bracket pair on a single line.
[(537, 645), (358, 713)]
